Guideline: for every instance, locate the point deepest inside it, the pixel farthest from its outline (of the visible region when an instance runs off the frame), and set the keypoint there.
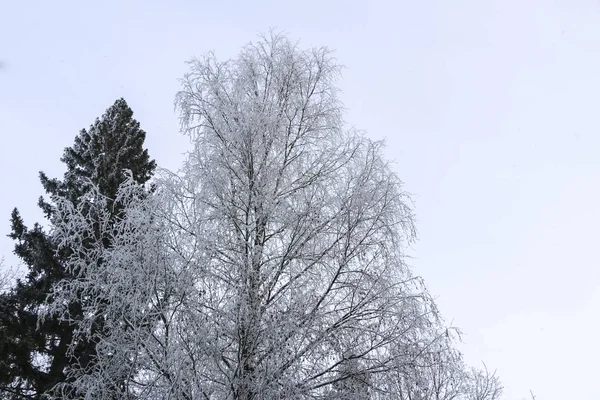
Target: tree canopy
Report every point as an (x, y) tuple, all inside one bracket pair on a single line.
[(272, 266), (36, 352)]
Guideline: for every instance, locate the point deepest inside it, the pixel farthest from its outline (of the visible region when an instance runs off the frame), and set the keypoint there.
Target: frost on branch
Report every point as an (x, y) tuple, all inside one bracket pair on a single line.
[(120, 285), (271, 266)]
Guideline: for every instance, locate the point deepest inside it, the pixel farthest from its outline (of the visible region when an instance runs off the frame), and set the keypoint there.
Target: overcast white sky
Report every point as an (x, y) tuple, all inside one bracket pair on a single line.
[(490, 109)]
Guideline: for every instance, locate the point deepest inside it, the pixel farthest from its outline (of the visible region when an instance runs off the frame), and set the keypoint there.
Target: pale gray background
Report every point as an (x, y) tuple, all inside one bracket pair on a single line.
[(490, 108)]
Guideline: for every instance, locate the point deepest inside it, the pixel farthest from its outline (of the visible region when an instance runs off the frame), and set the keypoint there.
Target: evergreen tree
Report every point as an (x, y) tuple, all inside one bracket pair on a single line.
[(34, 350)]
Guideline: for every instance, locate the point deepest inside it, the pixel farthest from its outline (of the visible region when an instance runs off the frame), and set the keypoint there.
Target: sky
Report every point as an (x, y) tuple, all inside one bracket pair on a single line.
[(488, 108)]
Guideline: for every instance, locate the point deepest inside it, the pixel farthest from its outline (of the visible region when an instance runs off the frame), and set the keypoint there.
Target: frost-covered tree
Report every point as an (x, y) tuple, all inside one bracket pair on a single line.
[(483, 385), (437, 374), (35, 352), (135, 288), (303, 225), (270, 267), (440, 374)]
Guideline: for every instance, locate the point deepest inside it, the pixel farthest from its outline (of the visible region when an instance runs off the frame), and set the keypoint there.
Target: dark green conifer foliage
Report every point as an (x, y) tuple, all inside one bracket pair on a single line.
[(33, 353)]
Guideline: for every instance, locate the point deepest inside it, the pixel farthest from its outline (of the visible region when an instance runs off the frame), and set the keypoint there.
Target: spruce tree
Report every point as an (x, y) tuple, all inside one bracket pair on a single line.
[(34, 350)]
